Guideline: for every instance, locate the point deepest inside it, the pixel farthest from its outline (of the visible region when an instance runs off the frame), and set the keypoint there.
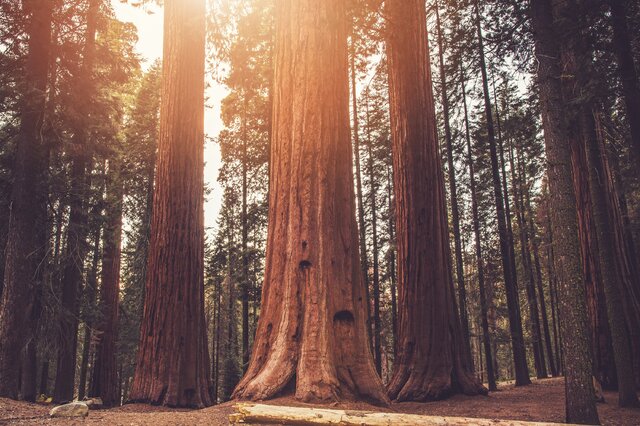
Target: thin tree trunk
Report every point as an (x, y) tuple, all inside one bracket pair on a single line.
[(244, 227), (216, 362), (91, 288), (44, 378), (377, 324), (534, 317), (23, 251), (432, 360), (173, 358), (392, 261), (484, 307), (535, 248), (506, 246), (362, 224), (453, 192), (105, 373)]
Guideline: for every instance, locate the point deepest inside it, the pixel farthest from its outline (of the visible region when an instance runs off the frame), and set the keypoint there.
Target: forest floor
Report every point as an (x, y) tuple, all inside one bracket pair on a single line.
[(542, 401)]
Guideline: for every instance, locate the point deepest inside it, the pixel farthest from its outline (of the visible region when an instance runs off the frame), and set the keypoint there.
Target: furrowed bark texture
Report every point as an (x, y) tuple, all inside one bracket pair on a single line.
[(431, 362), (579, 393), (172, 360), (105, 373), (23, 251), (602, 352), (312, 337)]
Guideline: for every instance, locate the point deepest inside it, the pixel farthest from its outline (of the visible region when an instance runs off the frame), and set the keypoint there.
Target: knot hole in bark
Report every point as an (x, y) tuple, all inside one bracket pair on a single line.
[(304, 265), (343, 316)]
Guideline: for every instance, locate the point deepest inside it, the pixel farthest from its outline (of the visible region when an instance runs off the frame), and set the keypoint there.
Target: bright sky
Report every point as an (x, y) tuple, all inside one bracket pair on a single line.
[(149, 23)]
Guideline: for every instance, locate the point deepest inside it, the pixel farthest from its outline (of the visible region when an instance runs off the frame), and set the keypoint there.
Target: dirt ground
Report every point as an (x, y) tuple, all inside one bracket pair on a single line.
[(542, 401)]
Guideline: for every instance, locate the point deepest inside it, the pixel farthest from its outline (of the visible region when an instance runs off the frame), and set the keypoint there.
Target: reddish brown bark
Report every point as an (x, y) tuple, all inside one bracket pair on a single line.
[(603, 364), (105, 374), (311, 337), (431, 362), (172, 361), (610, 251), (23, 250)]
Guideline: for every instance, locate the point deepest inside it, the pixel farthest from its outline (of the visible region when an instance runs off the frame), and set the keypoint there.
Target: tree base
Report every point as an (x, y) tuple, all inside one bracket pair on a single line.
[(410, 385)]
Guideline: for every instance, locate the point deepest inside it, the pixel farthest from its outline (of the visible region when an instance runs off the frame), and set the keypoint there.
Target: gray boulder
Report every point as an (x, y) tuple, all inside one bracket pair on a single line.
[(73, 409)]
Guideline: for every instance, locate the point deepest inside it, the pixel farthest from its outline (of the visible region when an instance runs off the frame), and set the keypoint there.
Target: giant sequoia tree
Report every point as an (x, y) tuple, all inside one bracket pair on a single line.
[(312, 333), (172, 366), (431, 358)]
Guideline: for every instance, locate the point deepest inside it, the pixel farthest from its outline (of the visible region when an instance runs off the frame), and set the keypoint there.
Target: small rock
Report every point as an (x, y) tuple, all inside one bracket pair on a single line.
[(73, 409), (93, 403)]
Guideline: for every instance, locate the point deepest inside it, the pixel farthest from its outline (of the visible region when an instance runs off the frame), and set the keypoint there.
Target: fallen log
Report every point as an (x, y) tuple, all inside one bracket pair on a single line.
[(249, 413)]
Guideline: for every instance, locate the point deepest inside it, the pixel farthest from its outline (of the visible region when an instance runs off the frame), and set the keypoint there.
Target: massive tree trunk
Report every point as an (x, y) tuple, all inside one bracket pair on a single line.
[(432, 361), (312, 334), (453, 191), (484, 307), (105, 377), (24, 251), (172, 358), (72, 274), (580, 398), (506, 240)]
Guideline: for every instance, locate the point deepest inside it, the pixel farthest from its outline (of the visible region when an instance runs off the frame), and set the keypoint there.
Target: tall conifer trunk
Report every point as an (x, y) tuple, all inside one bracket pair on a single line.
[(506, 242), (24, 251), (453, 191), (484, 306), (312, 333), (105, 373), (580, 398), (432, 360), (72, 274), (173, 359)]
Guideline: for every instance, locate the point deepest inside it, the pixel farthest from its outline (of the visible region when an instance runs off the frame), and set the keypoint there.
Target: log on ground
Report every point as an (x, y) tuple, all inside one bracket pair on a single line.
[(248, 413)]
